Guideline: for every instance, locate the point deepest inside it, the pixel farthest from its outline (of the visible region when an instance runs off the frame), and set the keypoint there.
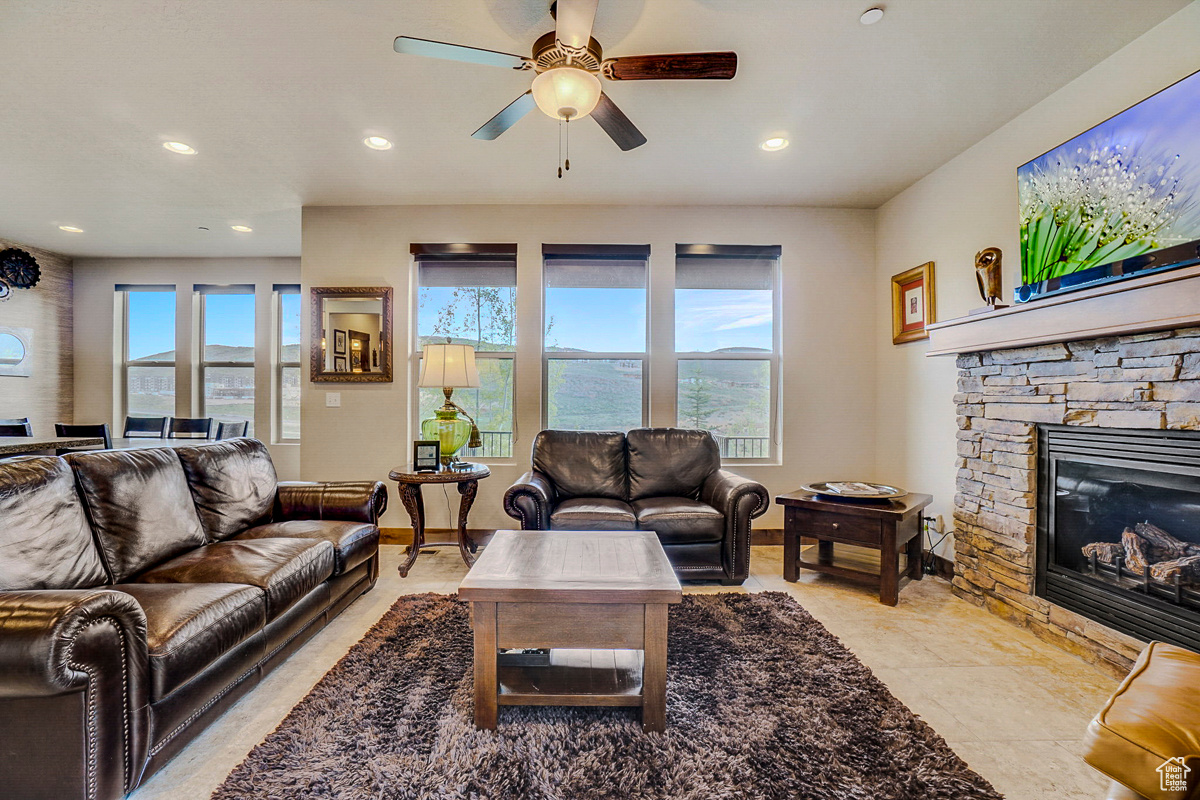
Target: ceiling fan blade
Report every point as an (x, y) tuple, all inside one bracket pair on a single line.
[(573, 22), (458, 52), (616, 124), (671, 66), (510, 116)]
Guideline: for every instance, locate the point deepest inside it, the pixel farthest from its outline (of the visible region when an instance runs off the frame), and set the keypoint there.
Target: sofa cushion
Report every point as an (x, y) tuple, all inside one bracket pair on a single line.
[(45, 541), (670, 461), (583, 463), (353, 542), (593, 514), (140, 507), (679, 520), (286, 569), (233, 484), (191, 625)]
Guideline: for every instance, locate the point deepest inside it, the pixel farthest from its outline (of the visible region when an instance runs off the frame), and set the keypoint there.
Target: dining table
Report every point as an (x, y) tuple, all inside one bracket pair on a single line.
[(147, 443), (24, 445)]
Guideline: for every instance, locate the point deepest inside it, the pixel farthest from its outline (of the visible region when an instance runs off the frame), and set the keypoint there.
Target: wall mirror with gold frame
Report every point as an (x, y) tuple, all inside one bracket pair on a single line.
[(351, 334)]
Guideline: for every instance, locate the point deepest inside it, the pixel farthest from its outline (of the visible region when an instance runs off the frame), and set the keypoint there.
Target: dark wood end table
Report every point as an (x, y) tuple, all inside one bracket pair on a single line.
[(467, 476), (888, 526), (575, 591)]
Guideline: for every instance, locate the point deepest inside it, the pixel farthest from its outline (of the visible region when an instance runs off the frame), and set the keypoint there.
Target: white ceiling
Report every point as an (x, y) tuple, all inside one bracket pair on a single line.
[(276, 96)]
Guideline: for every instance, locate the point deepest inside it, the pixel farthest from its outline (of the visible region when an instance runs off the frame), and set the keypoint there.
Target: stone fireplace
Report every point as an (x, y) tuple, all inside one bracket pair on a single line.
[(1013, 404)]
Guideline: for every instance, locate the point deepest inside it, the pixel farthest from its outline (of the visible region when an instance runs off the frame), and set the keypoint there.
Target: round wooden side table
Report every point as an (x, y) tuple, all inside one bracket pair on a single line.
[(466, 475)]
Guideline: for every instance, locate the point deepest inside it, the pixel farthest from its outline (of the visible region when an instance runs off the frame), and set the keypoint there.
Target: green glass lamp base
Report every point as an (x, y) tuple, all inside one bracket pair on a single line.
[(450, 431)]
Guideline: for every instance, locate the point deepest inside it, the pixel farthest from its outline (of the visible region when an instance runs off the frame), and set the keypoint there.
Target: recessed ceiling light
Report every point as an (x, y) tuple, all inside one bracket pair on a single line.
[(242, 228), (776, 143), (180, 148), (70, 229), (871, 16), (377, 143)]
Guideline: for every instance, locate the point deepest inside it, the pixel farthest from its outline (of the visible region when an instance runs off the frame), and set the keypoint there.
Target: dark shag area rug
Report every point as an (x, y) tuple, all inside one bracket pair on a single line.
[(762, 702)]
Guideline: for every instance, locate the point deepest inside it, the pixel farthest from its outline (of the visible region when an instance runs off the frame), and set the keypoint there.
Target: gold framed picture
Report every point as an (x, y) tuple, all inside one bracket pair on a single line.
[(913, 306)]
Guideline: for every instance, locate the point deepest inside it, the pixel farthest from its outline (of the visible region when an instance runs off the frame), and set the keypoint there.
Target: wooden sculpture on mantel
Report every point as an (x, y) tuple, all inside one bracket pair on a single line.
[(989, 274)]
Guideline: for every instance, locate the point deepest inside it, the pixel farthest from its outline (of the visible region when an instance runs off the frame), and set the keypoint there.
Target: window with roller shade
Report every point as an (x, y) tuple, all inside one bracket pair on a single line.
[(148, 362), (287, 373), (227, 353), (594, 351), (467, 294), (726, 343)]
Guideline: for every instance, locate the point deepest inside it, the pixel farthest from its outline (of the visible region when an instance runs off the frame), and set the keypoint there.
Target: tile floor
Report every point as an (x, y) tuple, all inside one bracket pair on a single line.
[(1012, 706)]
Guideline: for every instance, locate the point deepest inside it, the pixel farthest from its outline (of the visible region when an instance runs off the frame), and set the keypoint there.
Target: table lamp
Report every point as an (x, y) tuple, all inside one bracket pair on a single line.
[(450, 366)]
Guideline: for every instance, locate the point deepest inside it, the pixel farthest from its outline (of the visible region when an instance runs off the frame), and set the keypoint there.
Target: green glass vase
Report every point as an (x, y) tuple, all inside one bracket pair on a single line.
[(450, 431)]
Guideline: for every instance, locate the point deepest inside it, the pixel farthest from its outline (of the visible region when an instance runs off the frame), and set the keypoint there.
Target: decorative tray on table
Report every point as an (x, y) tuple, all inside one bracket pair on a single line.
[(853, 490)]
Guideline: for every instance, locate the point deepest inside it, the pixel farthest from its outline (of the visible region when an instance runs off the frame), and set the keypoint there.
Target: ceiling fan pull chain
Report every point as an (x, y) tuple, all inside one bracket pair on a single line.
[(560, 158), (567, 161)]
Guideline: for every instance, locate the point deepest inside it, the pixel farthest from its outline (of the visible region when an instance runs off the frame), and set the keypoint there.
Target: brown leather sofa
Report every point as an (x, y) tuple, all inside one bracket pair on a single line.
[(143, 592), (668, 480), (1147, 737)]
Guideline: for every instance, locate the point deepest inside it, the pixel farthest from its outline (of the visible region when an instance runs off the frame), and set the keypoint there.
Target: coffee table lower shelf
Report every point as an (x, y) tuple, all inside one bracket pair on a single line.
[(575, 678)]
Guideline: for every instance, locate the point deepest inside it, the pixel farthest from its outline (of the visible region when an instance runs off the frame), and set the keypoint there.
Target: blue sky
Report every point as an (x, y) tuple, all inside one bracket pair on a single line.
[(614, 320), (229, 320)]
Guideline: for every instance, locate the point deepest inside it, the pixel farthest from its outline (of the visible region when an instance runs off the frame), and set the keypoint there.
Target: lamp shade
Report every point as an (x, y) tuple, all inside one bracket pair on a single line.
[(566, 92), (450, 366)]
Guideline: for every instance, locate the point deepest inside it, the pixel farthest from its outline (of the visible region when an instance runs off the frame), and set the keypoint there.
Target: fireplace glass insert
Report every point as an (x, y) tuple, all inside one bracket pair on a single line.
[(1119, 529)]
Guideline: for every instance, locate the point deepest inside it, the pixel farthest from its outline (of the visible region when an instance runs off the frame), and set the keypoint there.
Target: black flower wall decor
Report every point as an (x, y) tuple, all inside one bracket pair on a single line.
[(18, 270)]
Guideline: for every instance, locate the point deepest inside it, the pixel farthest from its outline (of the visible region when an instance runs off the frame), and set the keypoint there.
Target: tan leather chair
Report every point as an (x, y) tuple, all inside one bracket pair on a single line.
[(1151, 724)]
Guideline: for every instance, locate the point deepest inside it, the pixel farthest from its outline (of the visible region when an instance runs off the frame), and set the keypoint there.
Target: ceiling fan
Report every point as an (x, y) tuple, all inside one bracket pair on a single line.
[(567, 61)]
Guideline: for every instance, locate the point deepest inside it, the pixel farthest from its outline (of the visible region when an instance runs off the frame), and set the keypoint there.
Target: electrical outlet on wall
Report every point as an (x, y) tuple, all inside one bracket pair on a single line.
[(939, 524), (333, 399)]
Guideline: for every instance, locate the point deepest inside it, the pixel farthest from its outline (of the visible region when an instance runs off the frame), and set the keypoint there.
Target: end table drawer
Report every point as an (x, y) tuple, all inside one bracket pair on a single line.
[(837, 527)]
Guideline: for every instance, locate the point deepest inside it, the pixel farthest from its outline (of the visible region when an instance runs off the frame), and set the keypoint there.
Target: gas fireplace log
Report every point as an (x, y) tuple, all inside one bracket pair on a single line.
[(1187, 568), (1163, 545), (1105, 552), (1135, 547)]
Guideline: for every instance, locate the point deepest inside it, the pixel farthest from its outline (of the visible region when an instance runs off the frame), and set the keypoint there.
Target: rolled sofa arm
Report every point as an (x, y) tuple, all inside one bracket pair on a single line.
[(530, 500), (347, 501), (739, 500), (74, 716)]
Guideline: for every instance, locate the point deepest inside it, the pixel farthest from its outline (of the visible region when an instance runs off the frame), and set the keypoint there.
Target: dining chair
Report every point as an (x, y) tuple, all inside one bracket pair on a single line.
[(16, 427), (189, 428), (231, 430), (145, 427), (61, 429)]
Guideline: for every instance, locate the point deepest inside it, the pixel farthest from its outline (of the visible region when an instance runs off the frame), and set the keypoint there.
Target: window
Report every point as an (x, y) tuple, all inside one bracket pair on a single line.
[(595, 336), (148, 363), (726, 345), (227, 353), (467, 294), (287, 376)]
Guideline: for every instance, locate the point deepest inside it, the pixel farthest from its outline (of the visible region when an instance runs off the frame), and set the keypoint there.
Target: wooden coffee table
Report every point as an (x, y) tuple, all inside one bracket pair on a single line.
[(598, 597)]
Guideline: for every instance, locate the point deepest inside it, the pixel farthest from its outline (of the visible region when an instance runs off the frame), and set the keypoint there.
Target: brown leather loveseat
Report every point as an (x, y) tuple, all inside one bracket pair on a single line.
[(667, 480), (142, 592)]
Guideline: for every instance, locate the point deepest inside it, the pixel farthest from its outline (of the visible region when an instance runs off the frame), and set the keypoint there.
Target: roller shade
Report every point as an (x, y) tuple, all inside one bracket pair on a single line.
[(465, 264), (595, 266), (738, 267)]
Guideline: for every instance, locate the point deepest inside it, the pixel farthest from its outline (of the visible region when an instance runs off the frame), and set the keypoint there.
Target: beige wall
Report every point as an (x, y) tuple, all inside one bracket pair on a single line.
[(97, 334), (44, 396), (971, 203), (827, 330)]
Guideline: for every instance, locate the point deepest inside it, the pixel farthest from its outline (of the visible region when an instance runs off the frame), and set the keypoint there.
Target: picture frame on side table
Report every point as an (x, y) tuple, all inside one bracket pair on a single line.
[(339, 343), (913, 304), (427, 455)]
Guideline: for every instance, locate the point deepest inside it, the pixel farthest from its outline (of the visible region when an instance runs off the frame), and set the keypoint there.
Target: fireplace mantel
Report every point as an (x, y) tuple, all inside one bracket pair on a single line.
[(1163, 301)]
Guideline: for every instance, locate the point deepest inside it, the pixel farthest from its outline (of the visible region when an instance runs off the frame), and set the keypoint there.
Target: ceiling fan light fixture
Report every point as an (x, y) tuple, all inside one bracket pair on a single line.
[(566, 92)]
